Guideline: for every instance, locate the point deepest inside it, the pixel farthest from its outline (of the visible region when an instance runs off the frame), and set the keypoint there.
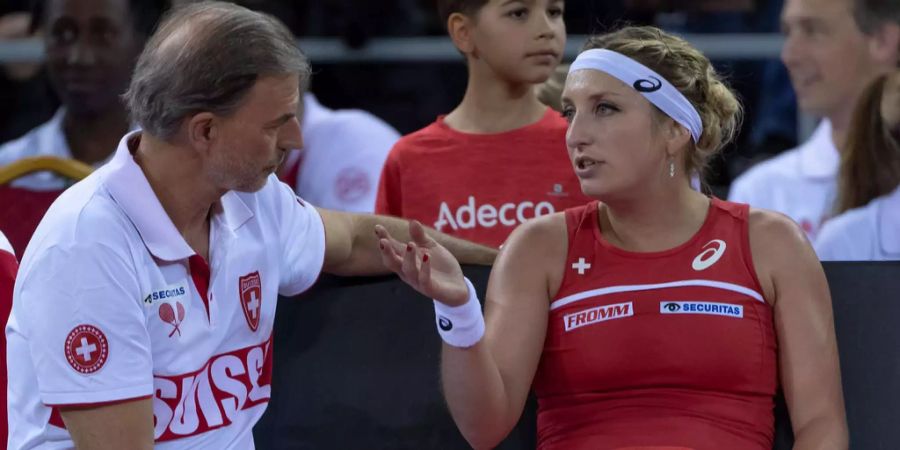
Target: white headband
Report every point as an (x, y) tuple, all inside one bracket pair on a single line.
[(650, 84)]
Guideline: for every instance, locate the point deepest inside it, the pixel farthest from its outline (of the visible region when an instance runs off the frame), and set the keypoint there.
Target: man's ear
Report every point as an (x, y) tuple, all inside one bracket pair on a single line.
[(459, 26), (884, 43), (202, 130)]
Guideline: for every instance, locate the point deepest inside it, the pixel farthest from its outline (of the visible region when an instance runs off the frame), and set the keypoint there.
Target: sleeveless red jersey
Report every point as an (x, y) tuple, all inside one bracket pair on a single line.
[(666, 349)]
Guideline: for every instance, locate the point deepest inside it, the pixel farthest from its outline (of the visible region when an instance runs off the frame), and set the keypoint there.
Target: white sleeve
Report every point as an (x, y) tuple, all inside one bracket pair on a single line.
[(741, 190), (302, 242), (836, 242), (86, 329)]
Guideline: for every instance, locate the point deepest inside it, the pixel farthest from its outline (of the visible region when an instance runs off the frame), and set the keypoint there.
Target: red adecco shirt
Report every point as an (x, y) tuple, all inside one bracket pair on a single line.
[(8, 267), (480, 186)]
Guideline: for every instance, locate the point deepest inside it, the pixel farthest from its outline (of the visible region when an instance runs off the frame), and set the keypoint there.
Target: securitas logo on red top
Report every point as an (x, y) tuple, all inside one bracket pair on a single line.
[(708, 308)]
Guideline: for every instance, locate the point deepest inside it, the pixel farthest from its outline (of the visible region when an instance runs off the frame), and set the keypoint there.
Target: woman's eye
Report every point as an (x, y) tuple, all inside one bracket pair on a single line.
[(605, 109)]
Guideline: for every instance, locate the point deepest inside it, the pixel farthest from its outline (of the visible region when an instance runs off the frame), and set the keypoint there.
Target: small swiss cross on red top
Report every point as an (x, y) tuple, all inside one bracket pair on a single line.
[(251, 298), (581, 266)]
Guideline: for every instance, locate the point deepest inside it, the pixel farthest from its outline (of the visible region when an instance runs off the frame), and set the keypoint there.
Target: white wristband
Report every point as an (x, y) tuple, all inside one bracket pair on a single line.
[(463, 325)]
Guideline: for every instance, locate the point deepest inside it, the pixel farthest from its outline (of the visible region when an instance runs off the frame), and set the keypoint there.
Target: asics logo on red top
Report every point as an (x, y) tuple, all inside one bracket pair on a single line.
[(471, 215), (251, 298), (713, 251), (597, 314), (193, 403), (86, 349)]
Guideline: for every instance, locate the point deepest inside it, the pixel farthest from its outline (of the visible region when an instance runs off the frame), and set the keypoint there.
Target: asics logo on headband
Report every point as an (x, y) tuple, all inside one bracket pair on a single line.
[(648, 85), (653, 86)]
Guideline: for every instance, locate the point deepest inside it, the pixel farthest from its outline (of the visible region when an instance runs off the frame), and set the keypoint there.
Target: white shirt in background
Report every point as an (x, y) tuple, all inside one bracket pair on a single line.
[(800, 183), (344, 152), (867, 233), (47, 139)]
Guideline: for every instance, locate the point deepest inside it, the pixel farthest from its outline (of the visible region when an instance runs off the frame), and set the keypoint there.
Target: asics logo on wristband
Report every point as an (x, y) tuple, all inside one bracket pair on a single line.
[(445, 323), (471, 215)]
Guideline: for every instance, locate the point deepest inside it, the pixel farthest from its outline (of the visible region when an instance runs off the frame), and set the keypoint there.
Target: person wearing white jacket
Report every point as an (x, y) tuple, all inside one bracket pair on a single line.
[(833, 49)]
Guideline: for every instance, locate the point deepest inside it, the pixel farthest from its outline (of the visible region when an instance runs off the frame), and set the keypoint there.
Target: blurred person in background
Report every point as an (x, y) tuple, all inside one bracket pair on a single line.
[(91, 48), (498, 158), (867, 226), (550, 91), (342, 156), (26, 99), (833, 50), (654, 316)]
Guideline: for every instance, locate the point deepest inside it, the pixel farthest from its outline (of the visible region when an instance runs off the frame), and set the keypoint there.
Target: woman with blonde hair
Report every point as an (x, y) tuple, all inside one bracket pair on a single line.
[(654, 316)]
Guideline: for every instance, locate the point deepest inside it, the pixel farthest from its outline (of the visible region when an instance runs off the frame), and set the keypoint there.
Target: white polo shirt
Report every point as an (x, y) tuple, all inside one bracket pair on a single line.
[(47, 139), (867, 233), (800, 183), (342, 157), (112, 304)]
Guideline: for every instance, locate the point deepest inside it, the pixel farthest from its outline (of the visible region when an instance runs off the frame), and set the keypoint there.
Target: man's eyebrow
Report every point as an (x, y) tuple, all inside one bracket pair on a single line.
[(281, 120)]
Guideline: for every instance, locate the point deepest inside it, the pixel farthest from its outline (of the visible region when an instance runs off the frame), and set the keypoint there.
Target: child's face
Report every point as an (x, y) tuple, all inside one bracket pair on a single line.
[(520, 40)]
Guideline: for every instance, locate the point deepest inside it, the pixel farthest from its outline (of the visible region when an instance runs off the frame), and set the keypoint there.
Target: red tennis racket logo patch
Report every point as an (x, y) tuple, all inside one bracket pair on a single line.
[(168, 315), (86, 349), (251, 298)]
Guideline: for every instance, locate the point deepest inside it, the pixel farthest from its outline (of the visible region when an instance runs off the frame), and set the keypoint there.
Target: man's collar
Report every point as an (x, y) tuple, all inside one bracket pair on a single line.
[(819, 156), (130, 188)]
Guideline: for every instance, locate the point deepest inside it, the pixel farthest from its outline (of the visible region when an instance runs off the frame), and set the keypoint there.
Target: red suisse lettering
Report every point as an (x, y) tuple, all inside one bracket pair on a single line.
[(194, 403)]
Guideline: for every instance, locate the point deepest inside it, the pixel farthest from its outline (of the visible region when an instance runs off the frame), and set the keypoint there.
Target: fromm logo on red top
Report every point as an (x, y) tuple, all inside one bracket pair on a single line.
[(597, 314)]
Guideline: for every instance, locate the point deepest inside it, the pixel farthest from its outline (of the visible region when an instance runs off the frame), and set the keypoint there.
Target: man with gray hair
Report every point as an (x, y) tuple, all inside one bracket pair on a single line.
[(144, 306)]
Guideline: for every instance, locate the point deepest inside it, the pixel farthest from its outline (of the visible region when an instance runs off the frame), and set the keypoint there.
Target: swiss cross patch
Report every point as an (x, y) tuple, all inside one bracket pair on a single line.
[(86, 349), (251, 298), (352, 184)]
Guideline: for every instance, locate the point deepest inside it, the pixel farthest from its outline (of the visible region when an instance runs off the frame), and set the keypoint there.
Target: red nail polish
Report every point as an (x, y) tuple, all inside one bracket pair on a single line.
[(425, 258), (408, 247)]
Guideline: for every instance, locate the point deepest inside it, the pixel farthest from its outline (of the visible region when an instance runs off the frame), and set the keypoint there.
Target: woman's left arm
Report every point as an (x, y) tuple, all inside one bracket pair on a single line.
[(808, 358)]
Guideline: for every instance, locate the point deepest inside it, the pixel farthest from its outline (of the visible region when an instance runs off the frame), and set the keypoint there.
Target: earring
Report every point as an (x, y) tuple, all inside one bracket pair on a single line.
[(671, 168)]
